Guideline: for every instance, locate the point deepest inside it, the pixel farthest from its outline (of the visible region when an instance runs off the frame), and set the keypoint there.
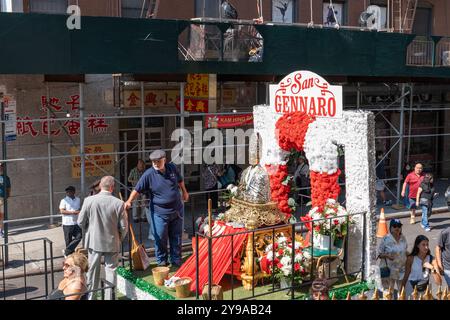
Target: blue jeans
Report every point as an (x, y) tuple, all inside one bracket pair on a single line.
[(406, 198), (425, 210), (168, 227), (447, 277)]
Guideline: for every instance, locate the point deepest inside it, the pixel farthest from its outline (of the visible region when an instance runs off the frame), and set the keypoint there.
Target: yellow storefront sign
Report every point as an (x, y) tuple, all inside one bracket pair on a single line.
[(197, 86), (152, 98), (94, 162)]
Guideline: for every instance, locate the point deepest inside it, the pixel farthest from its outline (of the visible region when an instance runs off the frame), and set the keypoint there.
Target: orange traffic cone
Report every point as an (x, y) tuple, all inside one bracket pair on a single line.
[(382, 226)]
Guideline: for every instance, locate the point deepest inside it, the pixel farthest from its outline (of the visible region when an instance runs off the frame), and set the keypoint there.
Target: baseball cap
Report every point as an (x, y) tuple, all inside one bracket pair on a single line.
[(395, 223), (70, 188), (157, 154)]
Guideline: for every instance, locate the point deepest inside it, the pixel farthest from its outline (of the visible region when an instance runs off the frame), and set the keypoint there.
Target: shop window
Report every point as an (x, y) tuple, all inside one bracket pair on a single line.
[(283, 11), (49, 6)]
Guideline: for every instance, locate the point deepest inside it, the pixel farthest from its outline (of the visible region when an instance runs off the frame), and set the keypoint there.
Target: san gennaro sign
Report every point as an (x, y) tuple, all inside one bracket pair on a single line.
[(305, 91)]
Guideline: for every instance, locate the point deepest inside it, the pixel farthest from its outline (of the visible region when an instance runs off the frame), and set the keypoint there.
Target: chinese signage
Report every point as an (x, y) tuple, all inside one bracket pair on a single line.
[(10, 117), (95, 123), (152, 98), (217, 121), (196, 93), (305, 91), (93, 163)]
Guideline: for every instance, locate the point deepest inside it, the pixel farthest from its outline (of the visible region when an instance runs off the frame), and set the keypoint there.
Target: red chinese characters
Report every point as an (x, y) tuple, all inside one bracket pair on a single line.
[(97, 124), (52, 104), (72, 127), (26, 127), (74, 102), (45, 125)]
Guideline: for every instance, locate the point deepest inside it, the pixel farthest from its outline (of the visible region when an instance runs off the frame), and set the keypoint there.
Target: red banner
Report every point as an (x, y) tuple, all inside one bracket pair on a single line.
[(216, 121)]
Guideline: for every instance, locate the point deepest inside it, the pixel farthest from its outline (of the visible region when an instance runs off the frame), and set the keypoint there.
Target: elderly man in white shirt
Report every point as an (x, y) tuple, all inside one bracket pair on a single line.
[(70, 208)]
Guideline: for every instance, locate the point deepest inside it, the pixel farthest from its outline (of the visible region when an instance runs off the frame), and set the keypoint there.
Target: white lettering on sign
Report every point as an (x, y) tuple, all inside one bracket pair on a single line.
[(305, 91)]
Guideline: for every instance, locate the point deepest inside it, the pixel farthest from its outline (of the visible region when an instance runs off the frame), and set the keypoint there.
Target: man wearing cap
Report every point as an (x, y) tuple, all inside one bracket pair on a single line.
[(5, 190), (162, 183), (70, 208)]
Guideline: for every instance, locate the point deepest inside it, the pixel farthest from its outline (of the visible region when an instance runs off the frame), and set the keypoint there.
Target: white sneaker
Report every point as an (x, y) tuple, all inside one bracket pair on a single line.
[(427, 229)]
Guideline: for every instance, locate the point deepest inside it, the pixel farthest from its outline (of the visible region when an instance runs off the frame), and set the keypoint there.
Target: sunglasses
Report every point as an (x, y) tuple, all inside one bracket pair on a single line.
[(396, 226)]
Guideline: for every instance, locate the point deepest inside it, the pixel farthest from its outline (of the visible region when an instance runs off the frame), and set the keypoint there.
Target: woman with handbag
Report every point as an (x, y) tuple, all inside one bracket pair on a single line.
[(425, 195), (392, 252), (419, 266)]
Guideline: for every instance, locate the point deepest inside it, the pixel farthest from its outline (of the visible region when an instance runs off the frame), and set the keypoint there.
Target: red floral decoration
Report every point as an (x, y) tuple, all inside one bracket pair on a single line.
[(324, 186), (292, 129), (280, 191)]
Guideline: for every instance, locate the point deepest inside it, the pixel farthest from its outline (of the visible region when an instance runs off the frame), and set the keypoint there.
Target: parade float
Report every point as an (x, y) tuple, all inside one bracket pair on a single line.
[(254, 239)]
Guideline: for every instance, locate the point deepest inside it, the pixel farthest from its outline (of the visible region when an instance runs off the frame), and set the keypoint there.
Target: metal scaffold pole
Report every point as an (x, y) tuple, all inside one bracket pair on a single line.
[(5, 202), (82, 147), (400, 145), (50, 162), (142, 122)]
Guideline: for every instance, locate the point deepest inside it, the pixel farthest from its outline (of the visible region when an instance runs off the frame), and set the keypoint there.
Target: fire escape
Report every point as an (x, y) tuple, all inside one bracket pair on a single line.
[(403, 14)]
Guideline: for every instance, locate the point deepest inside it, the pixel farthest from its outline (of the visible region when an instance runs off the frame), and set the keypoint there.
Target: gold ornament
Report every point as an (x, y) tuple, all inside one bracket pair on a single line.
[(362, 296), (444, 295), (375, 295), (402, 294), (439, 294), (427, 295), (388, 295), (415, 294)]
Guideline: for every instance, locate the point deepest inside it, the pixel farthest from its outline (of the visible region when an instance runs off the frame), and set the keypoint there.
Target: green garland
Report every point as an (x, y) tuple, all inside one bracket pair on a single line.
[(144, 285), (354, 289)]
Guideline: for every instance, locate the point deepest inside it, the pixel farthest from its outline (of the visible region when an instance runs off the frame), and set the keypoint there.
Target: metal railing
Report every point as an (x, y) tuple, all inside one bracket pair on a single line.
[(104, 285), (298, 228), (443, 53), (420, 53), (204, 42), (49, 275)]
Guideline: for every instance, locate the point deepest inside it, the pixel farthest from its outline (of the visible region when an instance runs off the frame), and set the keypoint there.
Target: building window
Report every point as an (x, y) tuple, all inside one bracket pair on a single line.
[(423, 22), (49, 6), (207, 8), (333, 14), (283, 11), (131, 8)]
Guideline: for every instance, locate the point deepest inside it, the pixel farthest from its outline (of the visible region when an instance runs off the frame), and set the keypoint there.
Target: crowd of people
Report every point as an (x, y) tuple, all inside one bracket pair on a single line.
[(101, 225), (400, 268)]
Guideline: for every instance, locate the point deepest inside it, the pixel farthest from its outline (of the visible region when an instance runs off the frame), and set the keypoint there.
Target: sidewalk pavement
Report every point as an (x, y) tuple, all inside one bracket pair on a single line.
[(33, 252)]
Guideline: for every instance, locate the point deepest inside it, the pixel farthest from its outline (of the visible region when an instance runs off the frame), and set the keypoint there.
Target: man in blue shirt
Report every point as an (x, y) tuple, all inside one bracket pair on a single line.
[(5, 190), (161, 183)]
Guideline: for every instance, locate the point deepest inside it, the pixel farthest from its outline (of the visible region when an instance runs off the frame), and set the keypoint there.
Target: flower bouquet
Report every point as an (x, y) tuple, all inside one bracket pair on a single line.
[(277, 261), (332, 222)]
